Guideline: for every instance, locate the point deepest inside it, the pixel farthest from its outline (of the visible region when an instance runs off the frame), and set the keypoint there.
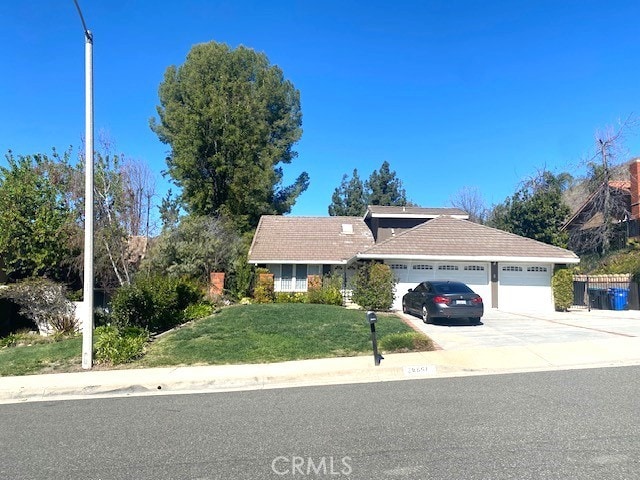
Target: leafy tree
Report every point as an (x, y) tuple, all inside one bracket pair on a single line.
[(349, 199), (535, 211), (35, 225), (198, 246), (231, 120), (384, 188)]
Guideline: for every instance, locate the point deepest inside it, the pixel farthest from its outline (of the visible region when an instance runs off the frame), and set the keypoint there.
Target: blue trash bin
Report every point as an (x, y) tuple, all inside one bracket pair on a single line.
[(618, 298)]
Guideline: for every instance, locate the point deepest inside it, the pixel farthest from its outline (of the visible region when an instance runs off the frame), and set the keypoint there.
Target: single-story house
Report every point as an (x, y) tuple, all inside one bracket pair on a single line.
[(510, 272)]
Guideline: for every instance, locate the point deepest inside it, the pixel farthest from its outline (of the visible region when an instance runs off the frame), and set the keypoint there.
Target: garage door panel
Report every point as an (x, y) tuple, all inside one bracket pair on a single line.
[(525, 288), (476, 275)]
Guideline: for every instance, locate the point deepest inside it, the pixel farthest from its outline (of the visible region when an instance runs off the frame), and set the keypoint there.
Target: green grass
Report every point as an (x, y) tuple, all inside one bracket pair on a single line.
[(239, 334), (53, 356), (271, 333)]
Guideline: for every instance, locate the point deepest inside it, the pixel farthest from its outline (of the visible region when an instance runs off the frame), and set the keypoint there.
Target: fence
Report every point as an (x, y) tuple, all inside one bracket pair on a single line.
[(605, 292)]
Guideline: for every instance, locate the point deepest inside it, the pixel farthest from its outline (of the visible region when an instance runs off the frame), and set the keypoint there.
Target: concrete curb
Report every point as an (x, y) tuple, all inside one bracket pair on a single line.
[(437, 364)]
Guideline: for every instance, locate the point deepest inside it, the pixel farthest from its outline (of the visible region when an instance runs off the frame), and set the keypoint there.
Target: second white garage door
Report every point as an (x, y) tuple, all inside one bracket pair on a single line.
[(525, 288)]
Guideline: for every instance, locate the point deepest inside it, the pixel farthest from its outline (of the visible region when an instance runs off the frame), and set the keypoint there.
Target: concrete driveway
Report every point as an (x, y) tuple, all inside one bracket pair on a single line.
[(503, 329)]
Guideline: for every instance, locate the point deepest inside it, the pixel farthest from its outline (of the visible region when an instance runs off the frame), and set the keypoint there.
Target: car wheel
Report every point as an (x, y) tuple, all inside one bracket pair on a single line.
[(475, 321), (426, 318), (404, 308)]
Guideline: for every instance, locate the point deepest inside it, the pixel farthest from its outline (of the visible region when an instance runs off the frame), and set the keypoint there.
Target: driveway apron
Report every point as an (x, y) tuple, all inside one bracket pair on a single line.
[(501, 329)]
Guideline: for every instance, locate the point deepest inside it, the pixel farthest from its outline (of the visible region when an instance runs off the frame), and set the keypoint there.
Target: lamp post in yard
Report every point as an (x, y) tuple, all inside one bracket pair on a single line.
[(87, 320)]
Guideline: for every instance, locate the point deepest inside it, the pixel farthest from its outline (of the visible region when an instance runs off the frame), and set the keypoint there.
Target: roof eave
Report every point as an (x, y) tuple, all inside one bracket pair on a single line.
[(418, 215), (473, 258), (301, 262)]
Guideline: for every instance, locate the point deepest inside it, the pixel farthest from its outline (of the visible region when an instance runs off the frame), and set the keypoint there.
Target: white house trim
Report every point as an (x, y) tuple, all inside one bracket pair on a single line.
[(472, 258)]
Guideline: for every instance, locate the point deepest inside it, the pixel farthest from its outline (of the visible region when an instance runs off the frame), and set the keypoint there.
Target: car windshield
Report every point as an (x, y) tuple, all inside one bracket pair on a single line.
[(451, 288)]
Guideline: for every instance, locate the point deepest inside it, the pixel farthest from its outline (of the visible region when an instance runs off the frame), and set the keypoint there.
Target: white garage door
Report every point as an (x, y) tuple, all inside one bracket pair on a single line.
[(525, 288), (409, 274), (476, 275)]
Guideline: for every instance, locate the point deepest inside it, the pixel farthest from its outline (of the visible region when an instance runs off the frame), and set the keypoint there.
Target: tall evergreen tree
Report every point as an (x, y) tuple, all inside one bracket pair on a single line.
[(353, 196), (385, 188), (349, 198), (231, 120)]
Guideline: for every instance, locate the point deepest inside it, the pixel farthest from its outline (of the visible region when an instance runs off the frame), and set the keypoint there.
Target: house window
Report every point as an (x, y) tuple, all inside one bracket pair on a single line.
[(511, 268), (474, 268), (301, 278), (422, 267), (286, 278), (293, 278), (536, 269), (314, 270), (447, 267)]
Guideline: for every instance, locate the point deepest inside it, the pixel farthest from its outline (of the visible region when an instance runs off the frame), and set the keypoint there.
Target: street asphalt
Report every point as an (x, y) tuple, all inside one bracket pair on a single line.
[(504, 343)]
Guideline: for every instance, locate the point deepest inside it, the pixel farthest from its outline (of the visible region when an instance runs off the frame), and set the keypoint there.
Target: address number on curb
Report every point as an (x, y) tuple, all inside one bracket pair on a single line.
[(411, 370)]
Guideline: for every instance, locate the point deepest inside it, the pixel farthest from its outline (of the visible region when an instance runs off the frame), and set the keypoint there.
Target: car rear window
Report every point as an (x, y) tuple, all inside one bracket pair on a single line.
[(451, 288)]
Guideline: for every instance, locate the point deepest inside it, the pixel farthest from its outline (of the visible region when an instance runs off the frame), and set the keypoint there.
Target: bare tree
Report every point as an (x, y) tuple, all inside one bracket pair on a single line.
[(470, 200), (139, 188), (600, 218), (123, 190)]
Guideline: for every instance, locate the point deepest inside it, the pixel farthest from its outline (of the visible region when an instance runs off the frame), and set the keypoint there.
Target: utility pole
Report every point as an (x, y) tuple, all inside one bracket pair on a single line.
[(87, 322)]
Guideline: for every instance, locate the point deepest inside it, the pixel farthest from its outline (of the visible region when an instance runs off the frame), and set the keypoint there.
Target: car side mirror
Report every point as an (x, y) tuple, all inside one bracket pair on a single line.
[(410, 290)]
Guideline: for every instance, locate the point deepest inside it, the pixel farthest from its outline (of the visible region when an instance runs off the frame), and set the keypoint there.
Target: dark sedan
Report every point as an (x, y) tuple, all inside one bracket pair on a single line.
[(445, 299)]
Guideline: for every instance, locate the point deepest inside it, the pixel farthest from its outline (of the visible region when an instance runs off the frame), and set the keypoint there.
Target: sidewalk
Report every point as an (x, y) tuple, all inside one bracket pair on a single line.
[(438, 364)]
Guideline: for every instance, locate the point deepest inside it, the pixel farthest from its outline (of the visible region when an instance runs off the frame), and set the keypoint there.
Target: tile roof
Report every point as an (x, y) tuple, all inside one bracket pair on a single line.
[(394, 211), (451, 237), (308, 239)]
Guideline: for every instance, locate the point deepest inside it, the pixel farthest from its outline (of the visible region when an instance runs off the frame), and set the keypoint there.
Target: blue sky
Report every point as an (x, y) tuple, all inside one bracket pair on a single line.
[(451, 93)]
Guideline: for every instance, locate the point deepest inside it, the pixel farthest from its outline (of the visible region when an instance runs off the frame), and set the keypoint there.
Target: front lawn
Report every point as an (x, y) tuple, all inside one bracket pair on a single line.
[(236, 335), (271, 333), (50, 357)]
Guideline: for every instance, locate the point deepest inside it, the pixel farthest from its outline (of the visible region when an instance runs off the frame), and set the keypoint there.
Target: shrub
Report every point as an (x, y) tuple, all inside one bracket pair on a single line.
[(325, 290), (291, 297), (10, 340), (263, 291), (28, 338), (101, 316), (156, 303), (44, 302), (404, 342), (562, 284), (240, 278), (373, 287), (198, 310), (331, 296), (116, 346)]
